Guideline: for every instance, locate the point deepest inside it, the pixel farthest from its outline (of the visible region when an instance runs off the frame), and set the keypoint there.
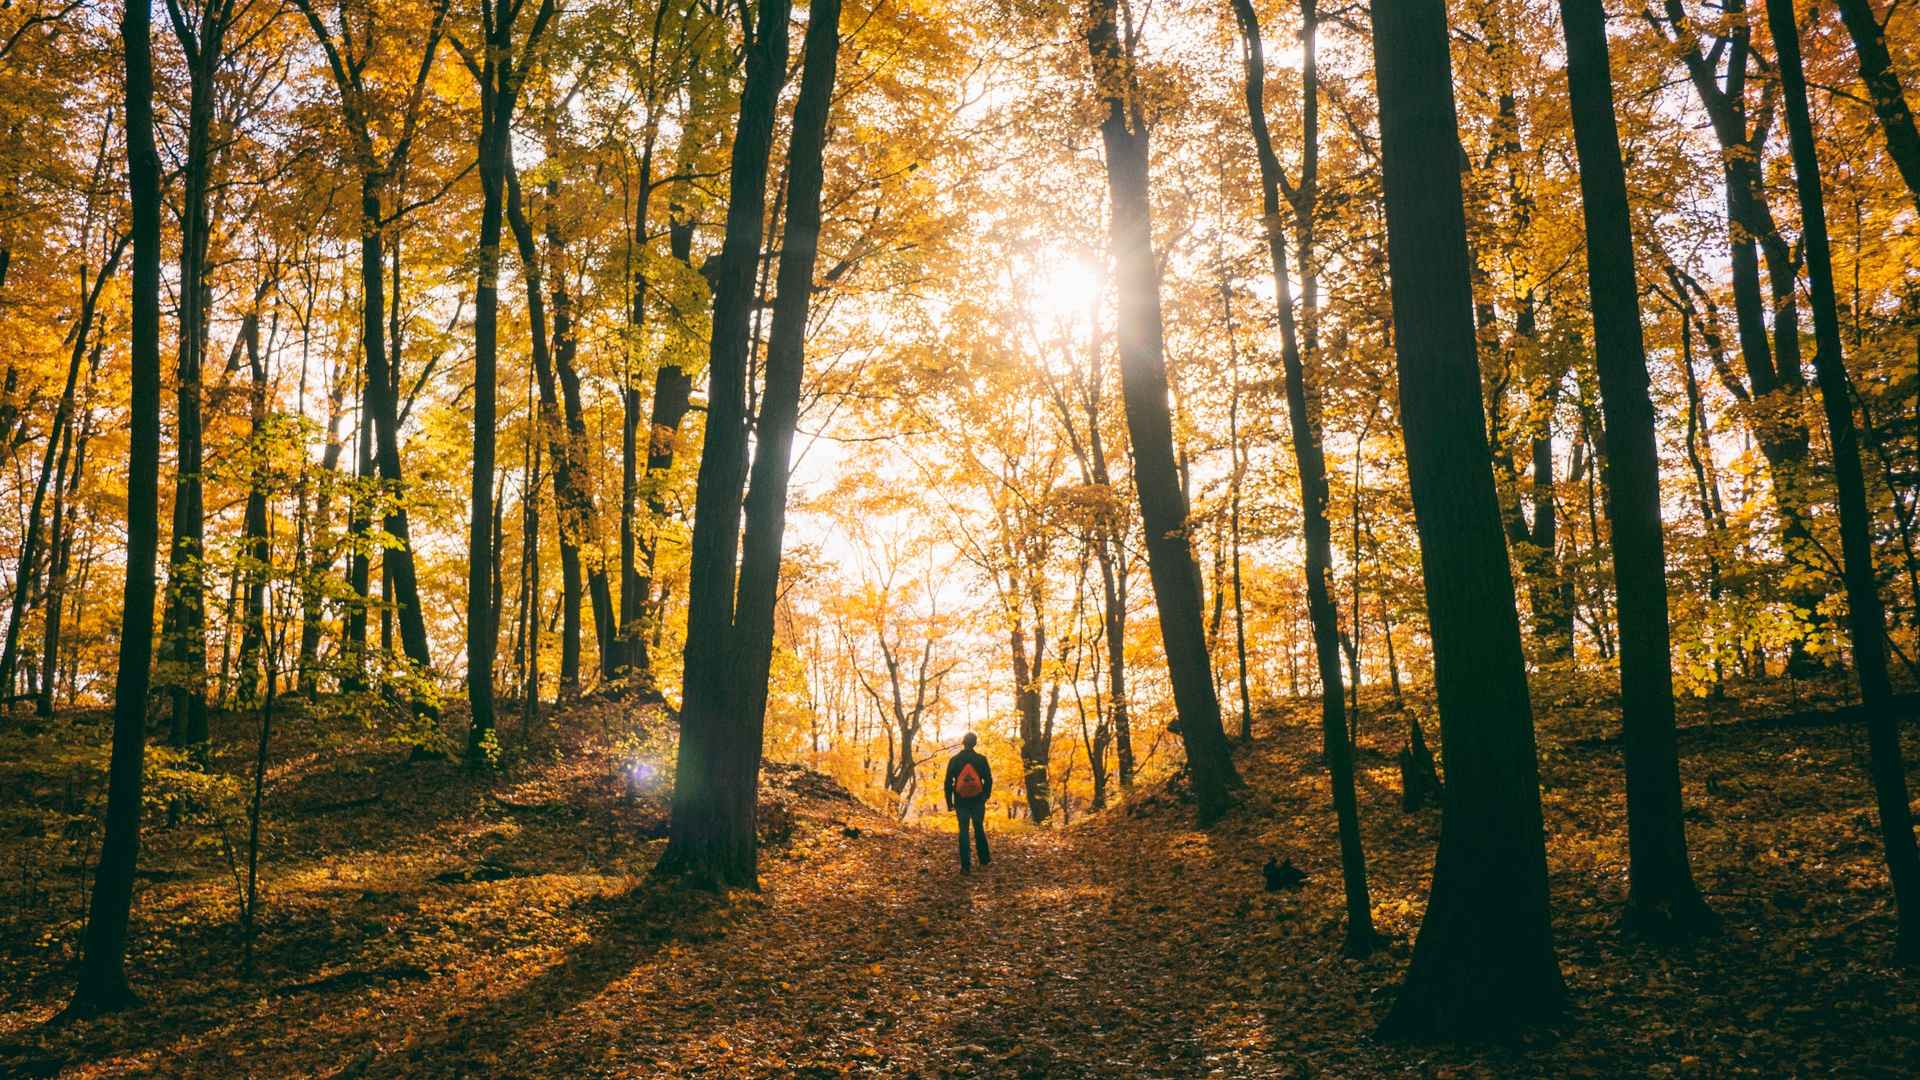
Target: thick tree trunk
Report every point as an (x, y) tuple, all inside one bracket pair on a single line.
[(1866, 617), (711, 840), (103, 979), (721, 846), (1662, 899), (1360, 937), (1484, 959), (1143, 379)]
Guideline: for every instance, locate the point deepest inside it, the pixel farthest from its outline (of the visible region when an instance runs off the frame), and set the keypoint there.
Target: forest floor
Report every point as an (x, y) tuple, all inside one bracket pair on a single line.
[(421, 920)]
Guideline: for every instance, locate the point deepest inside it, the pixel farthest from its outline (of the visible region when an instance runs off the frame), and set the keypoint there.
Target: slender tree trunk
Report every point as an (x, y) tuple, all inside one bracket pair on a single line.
[(555, 432), (501, 73), (103, 979), (582, 516), (27, 569), (255, 547), (1883, 89), (1774, 377), (359, 511), (1233, 522), (496, 139), (67, 476), (1360, 936), (384, 442), (1484, 959), (186, 561), (1034, 744), (1866, 617), (1662, 898), (1163, 506), (318, 558)]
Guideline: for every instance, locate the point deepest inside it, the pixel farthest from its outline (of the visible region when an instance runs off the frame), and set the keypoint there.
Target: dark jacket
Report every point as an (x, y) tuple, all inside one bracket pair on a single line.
[(980, 765)]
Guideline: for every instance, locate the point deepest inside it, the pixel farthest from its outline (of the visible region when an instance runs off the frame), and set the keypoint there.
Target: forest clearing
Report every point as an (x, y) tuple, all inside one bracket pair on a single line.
[(525, 940)]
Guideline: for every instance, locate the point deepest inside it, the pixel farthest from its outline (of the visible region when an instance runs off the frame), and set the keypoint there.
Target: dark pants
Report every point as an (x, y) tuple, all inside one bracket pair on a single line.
[(972, 811)]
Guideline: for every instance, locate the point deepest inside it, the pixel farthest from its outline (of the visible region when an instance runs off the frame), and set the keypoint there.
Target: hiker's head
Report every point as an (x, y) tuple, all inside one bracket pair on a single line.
[(969, 739)]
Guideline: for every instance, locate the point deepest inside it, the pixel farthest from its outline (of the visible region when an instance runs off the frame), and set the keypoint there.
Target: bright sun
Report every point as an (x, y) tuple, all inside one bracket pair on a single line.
[(1065, 288)]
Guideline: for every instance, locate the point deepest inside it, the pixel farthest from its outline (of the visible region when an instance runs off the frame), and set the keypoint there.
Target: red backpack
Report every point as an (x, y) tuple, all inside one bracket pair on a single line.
[(968, 784)]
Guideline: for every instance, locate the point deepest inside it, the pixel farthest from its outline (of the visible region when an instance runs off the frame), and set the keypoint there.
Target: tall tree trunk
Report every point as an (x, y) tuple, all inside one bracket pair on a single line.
[(257, 554), (1883, 89), (711, 839), (1143, 379), (1484, 959), (103, 977), (557, 438), (582, 515), (379, 396), (1774, 378), (67, 476), (716, 843), (496, 140), (1866, 617), (1662, 899), (318, 557), (501, 73), (186, 613), (1360, 937), (380, 455)]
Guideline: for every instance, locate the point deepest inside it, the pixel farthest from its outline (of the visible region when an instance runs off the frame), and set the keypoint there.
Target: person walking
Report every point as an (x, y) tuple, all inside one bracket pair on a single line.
[(969, 783)]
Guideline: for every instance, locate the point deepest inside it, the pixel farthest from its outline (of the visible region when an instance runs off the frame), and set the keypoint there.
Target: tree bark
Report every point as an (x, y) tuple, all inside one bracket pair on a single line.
[(103, 979), (255, 550), (1143, 379), (1866, 617), (1883, 88), (557, 435), (501, 73), (1484, 959), (711, 840), (1360, 936), (1662, 899)]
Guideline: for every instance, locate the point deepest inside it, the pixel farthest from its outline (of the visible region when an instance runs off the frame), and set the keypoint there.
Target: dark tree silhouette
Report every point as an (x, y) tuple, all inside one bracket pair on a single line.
[(500, 69), (1313, 475), (103, 975), (1484, 960), (1662, 899), (1883, 89), (1866, 617), (1143, 387), (730, 649)]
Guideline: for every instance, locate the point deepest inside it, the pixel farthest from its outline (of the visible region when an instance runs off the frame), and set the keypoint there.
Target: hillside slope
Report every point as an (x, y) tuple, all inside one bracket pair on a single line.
[(507, 931)]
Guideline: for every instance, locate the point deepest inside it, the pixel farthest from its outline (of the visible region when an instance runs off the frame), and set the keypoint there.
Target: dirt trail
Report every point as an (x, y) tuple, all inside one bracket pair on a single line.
[(873, 955)]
